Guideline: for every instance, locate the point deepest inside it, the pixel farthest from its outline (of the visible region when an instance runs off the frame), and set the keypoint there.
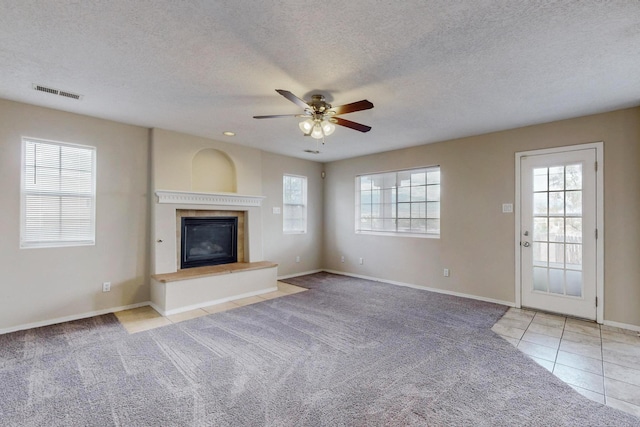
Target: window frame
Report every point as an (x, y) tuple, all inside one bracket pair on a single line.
[(25, 242), (304, 204), (395, 201)]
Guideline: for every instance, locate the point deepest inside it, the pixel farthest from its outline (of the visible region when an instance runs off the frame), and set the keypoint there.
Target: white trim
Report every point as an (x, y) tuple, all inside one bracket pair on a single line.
[(621, 325), (518, 222), (423, 288), (398, 234), (156, 308), (72, 318), (304, 273), (599, 148), (210, 303), (192, 198)]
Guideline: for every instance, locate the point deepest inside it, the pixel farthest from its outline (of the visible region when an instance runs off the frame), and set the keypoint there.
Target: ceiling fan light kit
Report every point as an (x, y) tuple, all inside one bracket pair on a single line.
[(317, 128), (320, 115)]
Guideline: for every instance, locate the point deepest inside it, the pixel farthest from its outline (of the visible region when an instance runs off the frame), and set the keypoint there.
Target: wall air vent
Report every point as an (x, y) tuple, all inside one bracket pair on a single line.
[(57, 92)]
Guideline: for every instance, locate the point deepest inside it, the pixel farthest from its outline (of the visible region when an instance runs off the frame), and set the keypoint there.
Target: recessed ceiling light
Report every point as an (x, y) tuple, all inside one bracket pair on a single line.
[(228, 133)]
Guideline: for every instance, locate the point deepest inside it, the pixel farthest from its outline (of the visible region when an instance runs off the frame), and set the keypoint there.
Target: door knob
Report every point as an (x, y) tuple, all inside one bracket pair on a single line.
[(526, 244)]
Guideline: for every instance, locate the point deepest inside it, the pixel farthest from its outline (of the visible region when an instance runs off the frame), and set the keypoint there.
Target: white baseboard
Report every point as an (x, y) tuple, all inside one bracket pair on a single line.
[(304, 273), (210, 303), (250, 294), (71, 318), (425, 288), (459, 294), (621, 325)]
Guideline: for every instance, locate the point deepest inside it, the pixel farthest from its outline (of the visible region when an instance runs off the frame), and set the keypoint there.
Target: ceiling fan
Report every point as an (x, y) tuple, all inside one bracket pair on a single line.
[(321, 117)]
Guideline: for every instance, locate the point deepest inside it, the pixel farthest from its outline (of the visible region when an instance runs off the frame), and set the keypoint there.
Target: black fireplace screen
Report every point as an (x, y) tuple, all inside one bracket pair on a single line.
[(209, 241)]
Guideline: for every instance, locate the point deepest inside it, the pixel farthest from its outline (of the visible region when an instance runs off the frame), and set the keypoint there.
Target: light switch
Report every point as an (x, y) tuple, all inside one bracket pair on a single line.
[(507, 208), (276, 210)]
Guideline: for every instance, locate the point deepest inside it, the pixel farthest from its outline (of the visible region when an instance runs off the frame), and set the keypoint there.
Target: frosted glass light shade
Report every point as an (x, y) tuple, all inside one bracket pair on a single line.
[(306, 126), (327, 127), (316, 133)]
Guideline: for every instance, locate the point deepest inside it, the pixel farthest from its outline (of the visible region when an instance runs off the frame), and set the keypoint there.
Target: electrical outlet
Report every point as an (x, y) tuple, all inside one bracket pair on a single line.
[(342, 259), (361, 261), (298, 259), (446, 272), (106, 287)]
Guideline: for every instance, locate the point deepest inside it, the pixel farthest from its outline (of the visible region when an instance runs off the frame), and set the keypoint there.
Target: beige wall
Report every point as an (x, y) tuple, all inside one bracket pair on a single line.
[(283, 248), (42, 284), (477, 241), (173, 155)]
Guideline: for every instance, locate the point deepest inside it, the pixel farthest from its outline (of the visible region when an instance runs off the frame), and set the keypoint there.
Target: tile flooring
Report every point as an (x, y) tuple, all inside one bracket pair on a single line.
[(600, 362), (145, 318)]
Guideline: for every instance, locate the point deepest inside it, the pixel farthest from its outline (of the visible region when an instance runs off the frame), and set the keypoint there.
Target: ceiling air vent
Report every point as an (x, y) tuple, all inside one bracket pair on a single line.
[(70, 95), (45, 89), (57, 92)]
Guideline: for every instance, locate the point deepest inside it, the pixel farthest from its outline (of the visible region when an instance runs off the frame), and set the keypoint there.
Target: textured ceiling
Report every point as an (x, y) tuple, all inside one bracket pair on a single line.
[(434, 70)]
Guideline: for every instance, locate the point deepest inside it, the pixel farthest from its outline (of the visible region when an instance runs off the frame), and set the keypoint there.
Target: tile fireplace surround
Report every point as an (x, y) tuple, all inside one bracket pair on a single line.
[(218, 288)]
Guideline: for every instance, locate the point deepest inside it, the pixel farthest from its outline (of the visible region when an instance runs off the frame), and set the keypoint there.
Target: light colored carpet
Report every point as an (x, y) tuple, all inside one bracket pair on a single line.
[(347, 352)]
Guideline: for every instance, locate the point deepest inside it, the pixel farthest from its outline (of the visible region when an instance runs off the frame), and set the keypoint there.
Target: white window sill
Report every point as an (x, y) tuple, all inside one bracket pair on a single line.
[(394, 234), (35, 245)]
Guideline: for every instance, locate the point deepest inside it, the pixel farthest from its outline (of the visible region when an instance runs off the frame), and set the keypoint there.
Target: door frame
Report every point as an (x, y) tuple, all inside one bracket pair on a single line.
[(599, 147)]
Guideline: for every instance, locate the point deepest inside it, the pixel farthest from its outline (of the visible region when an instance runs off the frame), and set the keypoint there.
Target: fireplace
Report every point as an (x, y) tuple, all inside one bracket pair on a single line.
[(172, 206), (208, 241)]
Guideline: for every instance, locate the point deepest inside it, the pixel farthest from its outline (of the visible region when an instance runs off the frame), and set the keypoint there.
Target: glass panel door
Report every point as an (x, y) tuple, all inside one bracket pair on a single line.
[(558, 251)]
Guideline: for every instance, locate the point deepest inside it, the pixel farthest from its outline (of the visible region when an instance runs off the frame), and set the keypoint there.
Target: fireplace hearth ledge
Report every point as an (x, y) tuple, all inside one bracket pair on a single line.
[(212, 270), (198, 287)]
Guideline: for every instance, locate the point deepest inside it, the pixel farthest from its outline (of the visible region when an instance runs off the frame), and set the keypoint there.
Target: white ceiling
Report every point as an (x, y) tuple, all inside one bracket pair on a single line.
[(434, 70)]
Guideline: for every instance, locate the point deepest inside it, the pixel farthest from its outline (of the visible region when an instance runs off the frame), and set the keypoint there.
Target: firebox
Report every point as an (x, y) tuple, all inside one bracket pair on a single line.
[(208, 241)]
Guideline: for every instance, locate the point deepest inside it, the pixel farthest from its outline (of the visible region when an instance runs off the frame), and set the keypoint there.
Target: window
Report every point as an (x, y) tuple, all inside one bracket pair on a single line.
[(399, 202), (57, 194), (294, 215)]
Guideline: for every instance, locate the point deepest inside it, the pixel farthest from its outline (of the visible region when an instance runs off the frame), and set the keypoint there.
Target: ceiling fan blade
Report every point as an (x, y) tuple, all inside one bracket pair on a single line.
[(348, 123), (291, 97), (354, 106), (280, 115)]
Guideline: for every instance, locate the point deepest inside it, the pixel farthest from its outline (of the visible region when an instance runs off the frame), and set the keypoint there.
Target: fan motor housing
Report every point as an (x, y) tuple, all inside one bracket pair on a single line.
[(318, 103)]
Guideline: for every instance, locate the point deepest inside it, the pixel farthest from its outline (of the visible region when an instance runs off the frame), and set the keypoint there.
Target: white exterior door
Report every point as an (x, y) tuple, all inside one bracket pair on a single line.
[(558, 254)]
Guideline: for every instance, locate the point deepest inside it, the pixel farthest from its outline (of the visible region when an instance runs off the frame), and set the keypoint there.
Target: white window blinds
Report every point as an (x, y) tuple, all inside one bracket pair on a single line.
[(295, 204), (58, 194)]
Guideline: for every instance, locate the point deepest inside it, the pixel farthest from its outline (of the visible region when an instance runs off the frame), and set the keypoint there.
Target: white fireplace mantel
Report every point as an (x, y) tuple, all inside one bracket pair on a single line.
[(192, 198)]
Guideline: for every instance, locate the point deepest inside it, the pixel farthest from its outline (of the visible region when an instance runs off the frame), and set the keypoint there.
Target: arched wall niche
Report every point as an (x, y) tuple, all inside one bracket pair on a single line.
[(212, 171)]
